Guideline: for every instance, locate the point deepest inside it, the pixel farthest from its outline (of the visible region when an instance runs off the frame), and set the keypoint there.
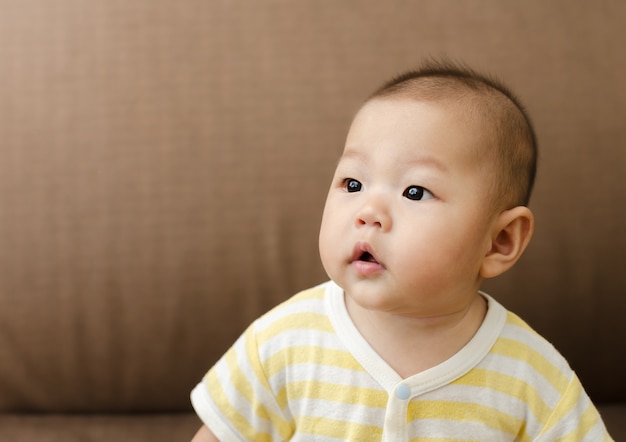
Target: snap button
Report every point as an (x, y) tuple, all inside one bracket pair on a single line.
[(403, 392)]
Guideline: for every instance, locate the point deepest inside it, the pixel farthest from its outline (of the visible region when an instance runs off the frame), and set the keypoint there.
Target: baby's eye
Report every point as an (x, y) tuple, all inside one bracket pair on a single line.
[(352, 185), (417, 193)]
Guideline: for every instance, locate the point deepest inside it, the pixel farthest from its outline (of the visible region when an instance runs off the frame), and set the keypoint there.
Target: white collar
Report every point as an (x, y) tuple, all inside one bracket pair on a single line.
[(449, 370)]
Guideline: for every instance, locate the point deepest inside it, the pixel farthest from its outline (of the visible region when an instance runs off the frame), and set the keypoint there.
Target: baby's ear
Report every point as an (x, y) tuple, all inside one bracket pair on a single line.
[(510, 235)]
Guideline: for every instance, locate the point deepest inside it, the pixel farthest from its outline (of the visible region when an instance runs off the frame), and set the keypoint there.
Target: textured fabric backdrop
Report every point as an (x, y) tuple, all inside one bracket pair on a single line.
[(163, 166)]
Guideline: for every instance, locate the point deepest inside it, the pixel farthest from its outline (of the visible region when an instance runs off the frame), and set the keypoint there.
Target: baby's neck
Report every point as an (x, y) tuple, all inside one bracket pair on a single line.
[(412, 345)]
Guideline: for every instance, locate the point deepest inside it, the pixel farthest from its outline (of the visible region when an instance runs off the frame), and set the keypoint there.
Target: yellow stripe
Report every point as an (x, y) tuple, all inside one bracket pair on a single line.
[(570, 398), (247, 391), (252, 354), (569, 401), (510, 386), (324, 427), (244, 387), (585, 424), (295, 321), (306, 295), (335, 393), (226, 407), (304, 354), (513, 319), (467, 412), (520, 351)]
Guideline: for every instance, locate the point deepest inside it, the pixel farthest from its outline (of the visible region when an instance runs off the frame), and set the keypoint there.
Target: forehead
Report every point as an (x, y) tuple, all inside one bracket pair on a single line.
[(407, 127)]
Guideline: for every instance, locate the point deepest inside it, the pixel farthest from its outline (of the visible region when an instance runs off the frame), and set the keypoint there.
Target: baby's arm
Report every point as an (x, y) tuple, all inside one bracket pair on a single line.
[(204, 435)]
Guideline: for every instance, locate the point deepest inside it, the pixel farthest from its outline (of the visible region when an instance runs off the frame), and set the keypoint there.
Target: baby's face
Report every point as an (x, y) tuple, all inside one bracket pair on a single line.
[(407, 218)]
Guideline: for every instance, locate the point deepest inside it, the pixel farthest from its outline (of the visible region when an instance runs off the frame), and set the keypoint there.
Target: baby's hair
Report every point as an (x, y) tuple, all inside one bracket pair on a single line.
[(499, 108)]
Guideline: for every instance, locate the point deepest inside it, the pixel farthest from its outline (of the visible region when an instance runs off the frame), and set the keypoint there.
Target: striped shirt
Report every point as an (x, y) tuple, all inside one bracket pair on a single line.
[(303, 372)]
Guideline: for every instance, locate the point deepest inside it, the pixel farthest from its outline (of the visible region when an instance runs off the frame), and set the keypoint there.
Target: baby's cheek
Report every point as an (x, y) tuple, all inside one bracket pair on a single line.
[(327, 252)]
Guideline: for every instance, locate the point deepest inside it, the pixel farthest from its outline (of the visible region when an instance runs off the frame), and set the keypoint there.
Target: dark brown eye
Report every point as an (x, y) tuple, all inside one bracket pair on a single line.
[(353, 185), (417, 193)]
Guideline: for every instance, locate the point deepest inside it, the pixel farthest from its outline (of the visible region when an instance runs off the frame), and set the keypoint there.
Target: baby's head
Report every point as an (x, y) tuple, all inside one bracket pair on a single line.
[(430, 194), (510, 144)]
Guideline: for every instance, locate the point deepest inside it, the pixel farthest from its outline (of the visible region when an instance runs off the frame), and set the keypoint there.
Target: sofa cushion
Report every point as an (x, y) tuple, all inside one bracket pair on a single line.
[(163, 169), (154, 427)]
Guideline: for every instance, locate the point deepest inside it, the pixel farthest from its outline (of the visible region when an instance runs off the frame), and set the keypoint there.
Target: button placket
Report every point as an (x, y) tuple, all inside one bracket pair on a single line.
[(397, 408)]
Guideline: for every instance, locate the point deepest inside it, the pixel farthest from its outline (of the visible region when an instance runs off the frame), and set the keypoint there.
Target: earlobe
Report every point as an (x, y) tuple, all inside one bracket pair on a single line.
[(511, 234)]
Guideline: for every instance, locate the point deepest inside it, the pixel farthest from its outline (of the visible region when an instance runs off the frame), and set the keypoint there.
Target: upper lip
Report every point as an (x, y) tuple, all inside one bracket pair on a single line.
[(364, 252)]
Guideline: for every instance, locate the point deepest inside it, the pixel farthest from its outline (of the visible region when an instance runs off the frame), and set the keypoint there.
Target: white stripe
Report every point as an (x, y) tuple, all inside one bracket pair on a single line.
[(327, 409), (460, 430), (203, 405), (596, 433), (501, 402), (299, 437), (321, 373), (291, 338)]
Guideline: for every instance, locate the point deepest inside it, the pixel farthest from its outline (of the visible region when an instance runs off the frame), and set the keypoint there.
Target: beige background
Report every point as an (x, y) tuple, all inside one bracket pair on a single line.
[(163, 166)]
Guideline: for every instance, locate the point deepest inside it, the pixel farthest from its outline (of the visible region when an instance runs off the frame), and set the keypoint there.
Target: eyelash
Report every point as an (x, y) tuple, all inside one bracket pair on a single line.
[(413, 193)]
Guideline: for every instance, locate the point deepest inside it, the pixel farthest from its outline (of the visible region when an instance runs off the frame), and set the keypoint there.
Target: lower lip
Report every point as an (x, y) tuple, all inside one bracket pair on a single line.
[(365, 268)]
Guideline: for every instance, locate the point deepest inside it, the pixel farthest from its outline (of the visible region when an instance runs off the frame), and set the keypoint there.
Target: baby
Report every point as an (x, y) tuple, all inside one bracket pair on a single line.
[(429, 198)]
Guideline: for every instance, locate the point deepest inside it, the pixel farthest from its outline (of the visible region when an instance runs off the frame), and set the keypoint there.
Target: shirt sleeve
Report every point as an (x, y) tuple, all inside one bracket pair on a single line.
[(235, 400), (575, 418)]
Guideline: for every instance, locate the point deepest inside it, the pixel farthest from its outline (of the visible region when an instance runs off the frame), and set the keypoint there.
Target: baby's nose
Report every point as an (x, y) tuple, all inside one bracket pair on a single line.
[(374, 213)]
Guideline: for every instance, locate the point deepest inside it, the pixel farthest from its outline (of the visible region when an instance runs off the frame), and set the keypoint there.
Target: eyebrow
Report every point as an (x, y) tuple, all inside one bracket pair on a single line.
[(428, 160), (352, 154), (423, 160)]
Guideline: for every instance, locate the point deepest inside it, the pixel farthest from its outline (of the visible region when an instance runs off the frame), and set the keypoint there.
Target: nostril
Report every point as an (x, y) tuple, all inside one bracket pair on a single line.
[(365, 222)]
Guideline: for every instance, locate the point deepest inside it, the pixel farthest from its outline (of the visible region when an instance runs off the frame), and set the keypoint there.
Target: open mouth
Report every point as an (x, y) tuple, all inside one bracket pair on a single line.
[(367, 257), (364, 253), (364, 261)]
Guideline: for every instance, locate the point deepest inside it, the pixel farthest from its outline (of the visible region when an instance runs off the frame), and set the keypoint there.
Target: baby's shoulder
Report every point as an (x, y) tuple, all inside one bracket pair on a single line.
[(518, 330), (307, 301), (519, 344), (304, 311)]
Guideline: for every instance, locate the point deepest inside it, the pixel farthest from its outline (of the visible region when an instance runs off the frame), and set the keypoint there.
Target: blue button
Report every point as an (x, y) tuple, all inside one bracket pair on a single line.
[(403, 392)]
